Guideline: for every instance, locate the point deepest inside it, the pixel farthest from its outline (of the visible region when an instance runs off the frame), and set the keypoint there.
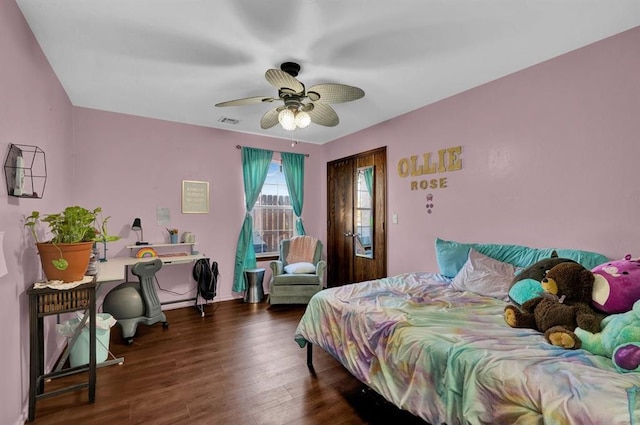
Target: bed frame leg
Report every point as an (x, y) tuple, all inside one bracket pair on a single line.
[(309, 355)]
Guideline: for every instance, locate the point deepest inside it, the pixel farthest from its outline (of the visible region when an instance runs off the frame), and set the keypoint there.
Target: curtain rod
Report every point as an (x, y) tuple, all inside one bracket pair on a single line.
[(305, 154)]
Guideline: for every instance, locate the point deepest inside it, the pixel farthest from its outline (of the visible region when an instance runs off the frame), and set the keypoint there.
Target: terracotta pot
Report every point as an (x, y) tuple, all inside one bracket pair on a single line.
[(77, 256)]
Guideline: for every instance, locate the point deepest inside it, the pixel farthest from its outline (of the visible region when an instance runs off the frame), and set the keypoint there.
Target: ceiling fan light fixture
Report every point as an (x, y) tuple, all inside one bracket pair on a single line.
[(294, 113), (287, 119), (302, 119)]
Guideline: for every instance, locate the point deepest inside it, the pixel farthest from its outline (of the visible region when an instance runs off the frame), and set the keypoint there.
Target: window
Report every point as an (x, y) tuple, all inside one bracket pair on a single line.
[(273, 217)]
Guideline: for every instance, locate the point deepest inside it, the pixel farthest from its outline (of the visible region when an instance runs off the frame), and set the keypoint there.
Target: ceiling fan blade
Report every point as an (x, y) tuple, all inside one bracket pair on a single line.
[(246, 101), (324, 114), (281, 80), (334, 93), (270, 118)]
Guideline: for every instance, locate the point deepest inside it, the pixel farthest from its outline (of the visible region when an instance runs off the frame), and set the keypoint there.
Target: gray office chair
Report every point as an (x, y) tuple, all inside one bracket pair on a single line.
[(295, 288), (131, 303)]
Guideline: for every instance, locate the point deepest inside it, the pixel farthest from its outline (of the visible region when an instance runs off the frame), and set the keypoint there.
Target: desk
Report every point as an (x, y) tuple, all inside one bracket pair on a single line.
[(117, 269), (45, 302)]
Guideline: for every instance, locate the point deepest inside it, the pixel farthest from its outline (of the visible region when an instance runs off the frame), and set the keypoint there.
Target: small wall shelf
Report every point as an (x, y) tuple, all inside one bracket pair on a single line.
[(25, 171)]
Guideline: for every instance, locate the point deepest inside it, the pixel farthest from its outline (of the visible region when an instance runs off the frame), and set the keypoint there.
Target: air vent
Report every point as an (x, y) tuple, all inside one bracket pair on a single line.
[(228, 120)]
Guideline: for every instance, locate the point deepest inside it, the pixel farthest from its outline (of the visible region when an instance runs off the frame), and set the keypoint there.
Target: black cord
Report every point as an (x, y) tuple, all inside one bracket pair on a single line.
[(172, 292)]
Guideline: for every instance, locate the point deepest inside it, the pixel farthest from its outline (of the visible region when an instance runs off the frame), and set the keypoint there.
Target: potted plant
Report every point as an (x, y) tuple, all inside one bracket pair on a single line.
[(66, 255)]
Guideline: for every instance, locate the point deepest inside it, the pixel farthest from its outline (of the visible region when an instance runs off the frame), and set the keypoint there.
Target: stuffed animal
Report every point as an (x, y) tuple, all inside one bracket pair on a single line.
[(565, 305), (617, 285), (526, 284), (619, 339)]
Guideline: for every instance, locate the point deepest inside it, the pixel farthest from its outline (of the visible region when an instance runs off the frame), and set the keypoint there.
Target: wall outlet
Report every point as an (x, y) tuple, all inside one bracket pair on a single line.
[(395, 218)]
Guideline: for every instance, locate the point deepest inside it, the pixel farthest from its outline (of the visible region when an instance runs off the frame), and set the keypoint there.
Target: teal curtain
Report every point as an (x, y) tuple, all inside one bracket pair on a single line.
[(368, 179), (255, 166), (293, 167)]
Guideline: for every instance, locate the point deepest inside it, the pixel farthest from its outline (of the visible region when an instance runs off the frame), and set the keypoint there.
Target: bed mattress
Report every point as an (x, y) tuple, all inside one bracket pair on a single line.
[(449, 357)]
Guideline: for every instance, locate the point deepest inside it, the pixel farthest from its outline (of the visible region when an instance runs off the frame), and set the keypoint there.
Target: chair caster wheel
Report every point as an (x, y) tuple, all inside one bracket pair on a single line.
[(165, 325), (128, 341)]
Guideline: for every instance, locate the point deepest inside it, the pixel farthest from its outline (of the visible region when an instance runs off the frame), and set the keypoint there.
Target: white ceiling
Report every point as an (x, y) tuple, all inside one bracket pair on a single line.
[(175, 59)]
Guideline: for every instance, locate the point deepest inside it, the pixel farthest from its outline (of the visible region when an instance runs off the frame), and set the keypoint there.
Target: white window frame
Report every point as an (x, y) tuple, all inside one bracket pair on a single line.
[(282, 213)]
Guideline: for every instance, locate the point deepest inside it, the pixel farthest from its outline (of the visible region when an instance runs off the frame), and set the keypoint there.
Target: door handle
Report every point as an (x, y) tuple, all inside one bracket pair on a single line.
[(348, 234)]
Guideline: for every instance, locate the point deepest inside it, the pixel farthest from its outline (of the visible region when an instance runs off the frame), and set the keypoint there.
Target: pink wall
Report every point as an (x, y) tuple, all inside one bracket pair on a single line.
[(549, 159), (34, 110), (130, 166)]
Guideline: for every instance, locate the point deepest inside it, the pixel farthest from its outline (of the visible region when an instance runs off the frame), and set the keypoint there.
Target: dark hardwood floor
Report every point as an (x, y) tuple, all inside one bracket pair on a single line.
[(237, 365)]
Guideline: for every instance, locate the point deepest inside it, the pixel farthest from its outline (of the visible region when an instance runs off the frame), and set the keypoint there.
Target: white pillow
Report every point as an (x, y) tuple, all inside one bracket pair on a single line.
[(485, 276), (300, 268)]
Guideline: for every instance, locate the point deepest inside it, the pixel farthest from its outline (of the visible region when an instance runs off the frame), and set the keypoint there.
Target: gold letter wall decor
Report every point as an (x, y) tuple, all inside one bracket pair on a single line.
[(448, 160)]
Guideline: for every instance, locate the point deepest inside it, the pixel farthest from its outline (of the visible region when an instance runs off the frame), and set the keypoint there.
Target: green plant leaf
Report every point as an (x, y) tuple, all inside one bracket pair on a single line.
[(60, 264)]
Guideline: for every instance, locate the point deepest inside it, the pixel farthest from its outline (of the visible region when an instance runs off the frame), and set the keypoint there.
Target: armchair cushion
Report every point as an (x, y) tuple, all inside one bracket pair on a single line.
[(298, 268), (293, 280)]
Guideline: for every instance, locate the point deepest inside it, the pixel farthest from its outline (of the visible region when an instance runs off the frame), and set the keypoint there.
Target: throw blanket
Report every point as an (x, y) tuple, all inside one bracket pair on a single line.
[(448, 357), (301, 249)]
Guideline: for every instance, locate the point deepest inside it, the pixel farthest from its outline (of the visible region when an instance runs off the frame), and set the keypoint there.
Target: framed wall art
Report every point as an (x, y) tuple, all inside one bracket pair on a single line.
[(195, 197)]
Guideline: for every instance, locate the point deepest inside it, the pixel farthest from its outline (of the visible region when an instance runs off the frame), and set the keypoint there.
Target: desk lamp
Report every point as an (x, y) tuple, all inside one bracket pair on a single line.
[(137, 226)]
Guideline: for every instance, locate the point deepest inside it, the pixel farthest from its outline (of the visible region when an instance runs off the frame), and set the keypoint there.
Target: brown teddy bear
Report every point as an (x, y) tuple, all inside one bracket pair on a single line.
[(565, 305), (526, 284)]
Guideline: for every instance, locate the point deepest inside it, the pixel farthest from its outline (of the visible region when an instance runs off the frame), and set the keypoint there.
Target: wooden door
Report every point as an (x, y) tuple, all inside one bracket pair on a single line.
[(343, 265), (339, 217)]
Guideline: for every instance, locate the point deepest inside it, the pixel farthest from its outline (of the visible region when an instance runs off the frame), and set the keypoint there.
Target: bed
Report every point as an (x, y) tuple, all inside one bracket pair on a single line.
[(444, 353)]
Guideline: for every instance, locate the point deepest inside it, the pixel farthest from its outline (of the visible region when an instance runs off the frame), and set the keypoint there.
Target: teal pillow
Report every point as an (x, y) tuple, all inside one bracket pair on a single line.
[(451, 255), (588, 259)]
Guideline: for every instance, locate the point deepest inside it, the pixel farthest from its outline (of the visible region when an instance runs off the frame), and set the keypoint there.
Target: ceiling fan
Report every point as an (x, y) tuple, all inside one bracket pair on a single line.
[(301, 106)]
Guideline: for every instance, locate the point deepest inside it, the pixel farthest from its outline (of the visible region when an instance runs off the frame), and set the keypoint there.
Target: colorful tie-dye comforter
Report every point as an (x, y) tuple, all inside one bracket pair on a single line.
[(449, 357)]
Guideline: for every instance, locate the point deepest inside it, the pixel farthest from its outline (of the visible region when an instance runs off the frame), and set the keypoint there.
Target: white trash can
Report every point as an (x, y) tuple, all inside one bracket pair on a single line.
[(79, 354)]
